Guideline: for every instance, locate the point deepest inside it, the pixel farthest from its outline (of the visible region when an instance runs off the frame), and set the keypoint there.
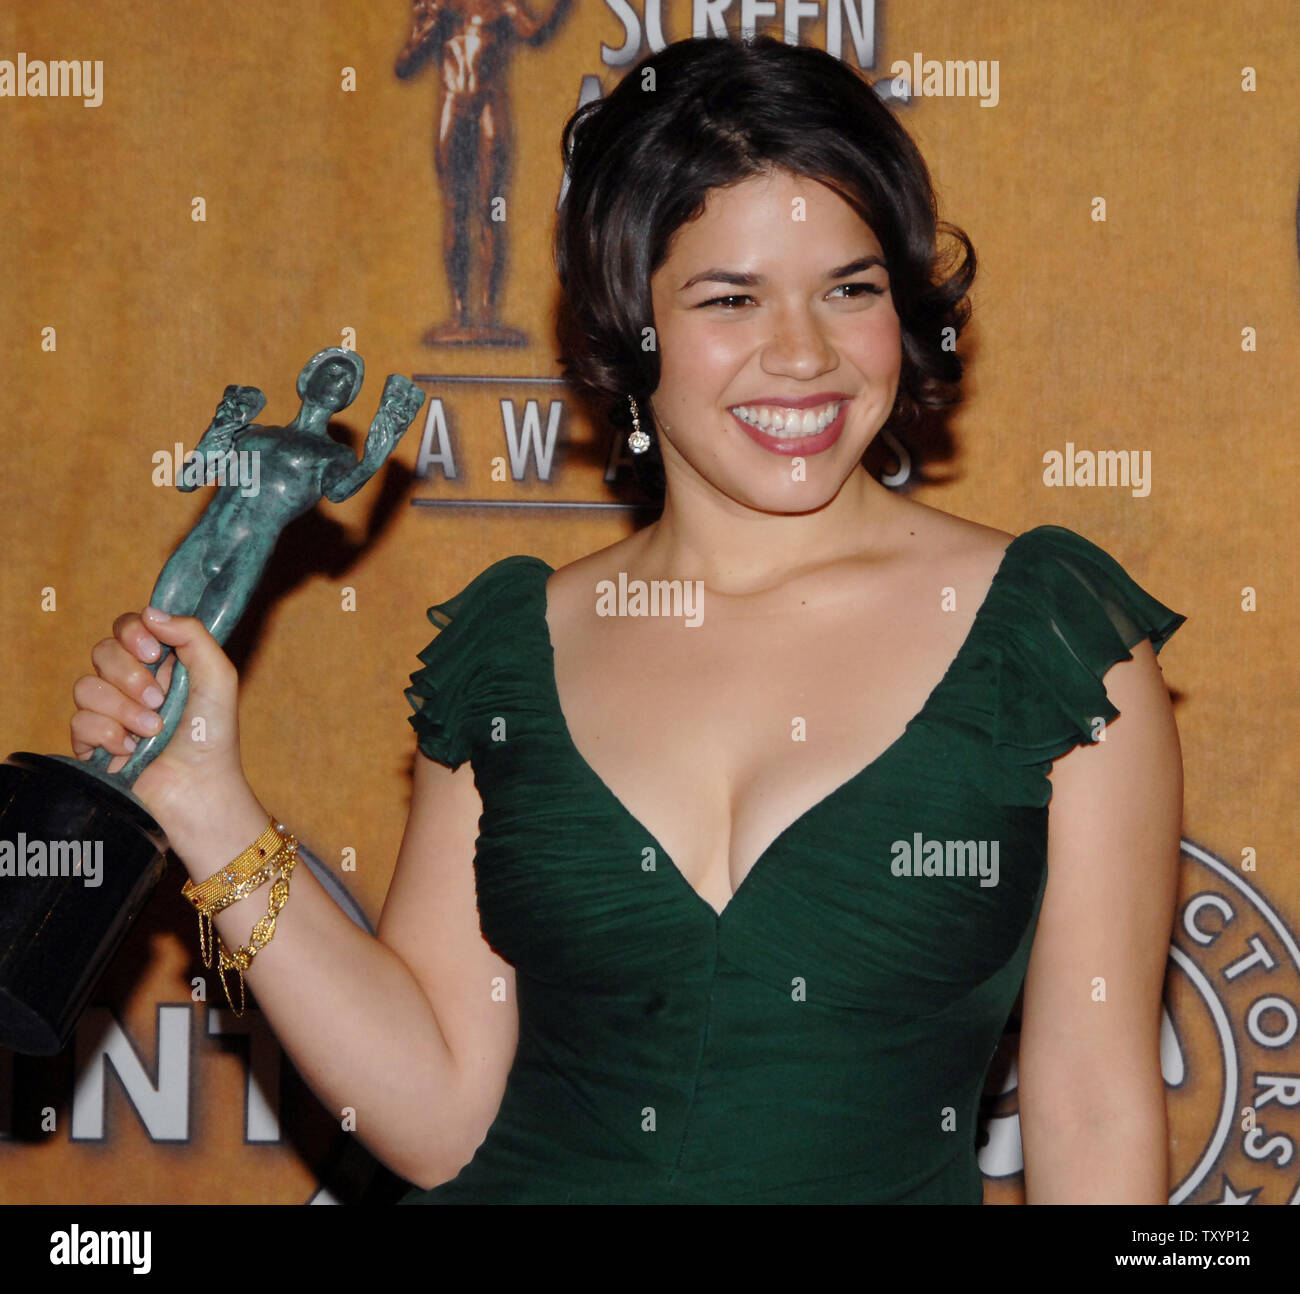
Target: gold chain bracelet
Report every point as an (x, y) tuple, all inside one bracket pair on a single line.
[(263, 932), (274, 851)]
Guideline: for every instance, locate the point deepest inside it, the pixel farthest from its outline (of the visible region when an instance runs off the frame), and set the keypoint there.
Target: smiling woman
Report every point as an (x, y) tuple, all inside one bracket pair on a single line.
[(765, 1006), (733, 844), (805, 312), (703, 124)]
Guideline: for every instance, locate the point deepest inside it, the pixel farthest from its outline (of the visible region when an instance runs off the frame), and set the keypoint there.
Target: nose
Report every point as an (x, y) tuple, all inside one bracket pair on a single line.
[(798, 346)]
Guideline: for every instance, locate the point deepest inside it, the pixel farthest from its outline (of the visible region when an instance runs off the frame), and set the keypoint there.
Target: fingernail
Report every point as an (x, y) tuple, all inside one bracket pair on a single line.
[(161, 616), (151, 721), (153, 695), (131, 742)]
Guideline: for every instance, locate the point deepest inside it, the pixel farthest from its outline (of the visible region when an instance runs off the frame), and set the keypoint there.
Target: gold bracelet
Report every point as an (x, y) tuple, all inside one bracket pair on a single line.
[(219, 890), (263, 932), (274, 851)]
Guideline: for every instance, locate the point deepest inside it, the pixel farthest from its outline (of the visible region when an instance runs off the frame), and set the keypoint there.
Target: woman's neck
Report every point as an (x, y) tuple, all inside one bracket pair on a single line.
[(737, 550)]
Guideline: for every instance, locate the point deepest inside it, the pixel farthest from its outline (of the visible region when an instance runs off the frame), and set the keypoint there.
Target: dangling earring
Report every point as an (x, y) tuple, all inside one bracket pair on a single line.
[(638, 441)]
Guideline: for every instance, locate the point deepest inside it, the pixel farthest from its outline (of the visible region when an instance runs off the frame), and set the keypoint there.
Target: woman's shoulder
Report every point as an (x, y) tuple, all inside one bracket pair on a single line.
[(503, 585), (505, 572), (571, 587), (971, 549), (1060, 612), (943, 547), (946, 530), (1051, 581), (1055, 596)]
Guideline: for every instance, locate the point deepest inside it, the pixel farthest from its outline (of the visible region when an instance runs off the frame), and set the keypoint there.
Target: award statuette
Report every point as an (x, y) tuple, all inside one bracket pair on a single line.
[(79, 852)]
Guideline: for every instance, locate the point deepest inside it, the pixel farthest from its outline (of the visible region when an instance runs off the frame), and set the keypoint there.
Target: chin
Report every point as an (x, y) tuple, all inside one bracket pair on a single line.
[(787, 498)]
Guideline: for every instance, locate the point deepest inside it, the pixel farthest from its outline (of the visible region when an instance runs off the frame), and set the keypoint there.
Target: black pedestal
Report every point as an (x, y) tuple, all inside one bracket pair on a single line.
[(78, 859)]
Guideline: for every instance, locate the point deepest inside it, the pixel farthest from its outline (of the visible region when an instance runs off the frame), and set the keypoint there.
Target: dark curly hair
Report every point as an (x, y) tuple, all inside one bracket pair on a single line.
[(709, 112)]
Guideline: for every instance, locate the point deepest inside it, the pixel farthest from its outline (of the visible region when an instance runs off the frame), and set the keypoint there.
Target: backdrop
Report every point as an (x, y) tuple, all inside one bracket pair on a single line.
[(202, 194)]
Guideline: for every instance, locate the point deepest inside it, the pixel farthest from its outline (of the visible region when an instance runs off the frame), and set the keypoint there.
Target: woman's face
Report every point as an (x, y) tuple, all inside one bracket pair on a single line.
[(768, 300)]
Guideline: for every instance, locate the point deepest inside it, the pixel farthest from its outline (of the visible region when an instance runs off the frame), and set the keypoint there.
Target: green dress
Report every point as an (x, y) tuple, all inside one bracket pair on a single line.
[(827, 1037)]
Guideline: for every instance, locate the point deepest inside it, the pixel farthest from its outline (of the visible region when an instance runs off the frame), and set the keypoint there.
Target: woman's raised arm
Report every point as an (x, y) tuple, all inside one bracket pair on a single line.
[(401, 1028)]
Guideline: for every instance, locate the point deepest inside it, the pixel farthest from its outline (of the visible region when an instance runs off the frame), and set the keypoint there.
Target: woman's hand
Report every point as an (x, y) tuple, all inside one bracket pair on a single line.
[(198, 775)]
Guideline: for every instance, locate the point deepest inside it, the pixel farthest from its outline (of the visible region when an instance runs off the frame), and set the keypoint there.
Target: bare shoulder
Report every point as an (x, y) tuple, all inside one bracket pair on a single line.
[(571, 588), (947, 532), (954, 549)]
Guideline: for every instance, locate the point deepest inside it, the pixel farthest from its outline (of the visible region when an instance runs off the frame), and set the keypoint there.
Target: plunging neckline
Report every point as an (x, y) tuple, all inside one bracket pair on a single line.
[(870, 767)]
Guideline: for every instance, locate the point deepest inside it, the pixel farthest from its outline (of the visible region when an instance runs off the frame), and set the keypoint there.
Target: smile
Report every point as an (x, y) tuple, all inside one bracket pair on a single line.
[(788, 424)]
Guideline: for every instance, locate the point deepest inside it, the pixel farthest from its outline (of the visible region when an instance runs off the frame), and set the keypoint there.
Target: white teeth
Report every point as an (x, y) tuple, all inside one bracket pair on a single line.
[(790, 423)]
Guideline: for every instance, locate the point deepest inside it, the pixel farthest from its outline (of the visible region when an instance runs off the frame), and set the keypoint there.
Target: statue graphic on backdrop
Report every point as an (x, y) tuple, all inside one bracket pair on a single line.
[(473, 149), (214, 570)]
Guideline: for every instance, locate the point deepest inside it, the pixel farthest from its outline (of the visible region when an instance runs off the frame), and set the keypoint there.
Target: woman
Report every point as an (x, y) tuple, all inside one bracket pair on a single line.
[(752, 933)]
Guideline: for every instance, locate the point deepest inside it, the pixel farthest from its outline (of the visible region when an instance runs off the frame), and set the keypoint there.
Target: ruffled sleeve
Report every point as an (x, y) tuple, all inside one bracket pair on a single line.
[(1071, 613), (456, 662)]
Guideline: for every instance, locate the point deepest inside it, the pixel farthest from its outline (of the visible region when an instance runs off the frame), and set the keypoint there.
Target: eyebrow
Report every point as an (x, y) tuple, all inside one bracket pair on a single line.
[(737, 279)]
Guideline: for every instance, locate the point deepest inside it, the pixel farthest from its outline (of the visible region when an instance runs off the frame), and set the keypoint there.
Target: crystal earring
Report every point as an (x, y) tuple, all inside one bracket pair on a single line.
[(638, 441)]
